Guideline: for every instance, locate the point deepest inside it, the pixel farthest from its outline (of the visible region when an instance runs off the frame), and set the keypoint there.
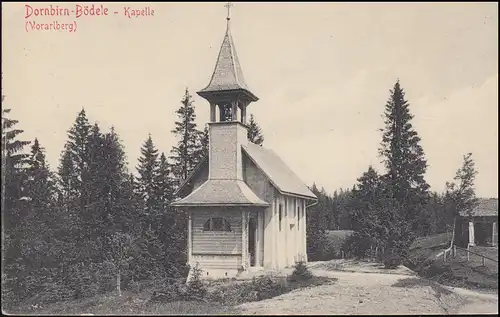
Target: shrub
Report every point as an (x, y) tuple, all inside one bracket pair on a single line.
[(300, 273), (266, 287), (196, 290), (357, 245), (392, 261), (260, 288), (170, 291)]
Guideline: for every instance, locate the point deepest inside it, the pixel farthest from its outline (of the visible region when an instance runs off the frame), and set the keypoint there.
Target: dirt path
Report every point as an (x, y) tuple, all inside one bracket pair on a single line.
[(374, 293), (476, 303)]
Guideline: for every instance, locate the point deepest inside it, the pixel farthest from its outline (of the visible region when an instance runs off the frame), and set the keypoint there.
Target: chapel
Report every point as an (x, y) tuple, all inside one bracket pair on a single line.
[(246, 209)]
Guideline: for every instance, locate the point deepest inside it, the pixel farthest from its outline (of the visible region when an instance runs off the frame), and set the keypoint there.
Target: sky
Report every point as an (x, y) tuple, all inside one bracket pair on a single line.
[(322, 71)]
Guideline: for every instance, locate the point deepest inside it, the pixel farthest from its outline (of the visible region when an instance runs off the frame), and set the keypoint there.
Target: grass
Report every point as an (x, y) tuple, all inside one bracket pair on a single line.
[(457, 271), (437, 240), (129, 304), (421, 282), (221, 298)]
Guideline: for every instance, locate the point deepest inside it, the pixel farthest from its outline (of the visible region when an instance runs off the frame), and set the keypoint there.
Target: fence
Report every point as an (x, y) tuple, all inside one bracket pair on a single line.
[(374, 252), (453, 251)]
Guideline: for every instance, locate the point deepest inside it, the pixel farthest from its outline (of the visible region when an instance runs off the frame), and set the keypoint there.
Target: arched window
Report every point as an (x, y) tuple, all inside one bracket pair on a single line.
[(217, 224)]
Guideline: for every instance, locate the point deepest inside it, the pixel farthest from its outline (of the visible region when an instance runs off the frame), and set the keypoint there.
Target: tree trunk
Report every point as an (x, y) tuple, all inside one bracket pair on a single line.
[(118, 282), (453, 233)]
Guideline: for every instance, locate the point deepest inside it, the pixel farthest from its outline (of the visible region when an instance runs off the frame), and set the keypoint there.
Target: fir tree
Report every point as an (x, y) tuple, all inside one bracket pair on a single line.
[(164, 182), (404, 158), (14, 209), (13, 166), (146, 182), (460, 195), (255, 132), (315, 229), (78, 148), (41, 184), (186, 154), (38, 227), (204, 141)]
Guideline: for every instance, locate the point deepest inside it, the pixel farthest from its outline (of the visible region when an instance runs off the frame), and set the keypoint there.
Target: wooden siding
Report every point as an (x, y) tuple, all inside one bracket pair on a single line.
[(225, 262), (215, 242)]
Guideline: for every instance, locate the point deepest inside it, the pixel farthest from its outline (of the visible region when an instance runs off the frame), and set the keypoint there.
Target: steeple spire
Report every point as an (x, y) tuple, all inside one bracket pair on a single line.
[(227, 81)]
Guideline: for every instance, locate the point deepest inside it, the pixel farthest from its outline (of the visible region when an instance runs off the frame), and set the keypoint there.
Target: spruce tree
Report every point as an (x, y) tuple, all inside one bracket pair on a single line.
[(255, 132), (186, 154), (315, 228), (460, 196), (404, 158), (78, 148), (203, 144), (13, 169), (114, 175), (164, 182), (146, 182), (14, 208), (38, 230)]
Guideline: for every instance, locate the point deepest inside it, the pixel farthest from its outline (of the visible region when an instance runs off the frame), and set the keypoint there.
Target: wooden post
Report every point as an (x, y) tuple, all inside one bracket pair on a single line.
[(243, 113), (494, 234), (471, 233), (276, 233), (258, 238), (304, 229), (212, 112), (234, 111), (244, 239), (190, 239)]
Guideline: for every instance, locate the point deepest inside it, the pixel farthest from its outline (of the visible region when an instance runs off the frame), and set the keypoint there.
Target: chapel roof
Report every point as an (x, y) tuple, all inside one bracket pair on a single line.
[(227, 75), (278, 173), (221, 192)]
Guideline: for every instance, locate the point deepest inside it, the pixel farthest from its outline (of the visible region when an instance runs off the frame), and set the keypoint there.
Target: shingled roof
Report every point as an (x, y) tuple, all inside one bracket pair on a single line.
[(227, 75), (487, 207), (216, 192), (278, 173)]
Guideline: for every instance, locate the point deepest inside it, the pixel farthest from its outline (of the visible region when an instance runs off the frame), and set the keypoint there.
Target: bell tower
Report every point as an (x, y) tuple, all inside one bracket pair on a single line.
[(229, 97), (227, 92)]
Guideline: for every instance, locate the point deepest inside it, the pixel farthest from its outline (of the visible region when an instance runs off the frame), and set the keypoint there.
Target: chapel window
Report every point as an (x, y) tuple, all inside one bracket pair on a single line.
[(217, 224)]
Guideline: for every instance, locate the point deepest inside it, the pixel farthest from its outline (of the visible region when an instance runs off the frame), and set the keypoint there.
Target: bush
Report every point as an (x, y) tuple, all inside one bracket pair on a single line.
[(300, 273), (169, 292), (266, 287), (260, 288), (392, 261), (357, 245), (196, 290)]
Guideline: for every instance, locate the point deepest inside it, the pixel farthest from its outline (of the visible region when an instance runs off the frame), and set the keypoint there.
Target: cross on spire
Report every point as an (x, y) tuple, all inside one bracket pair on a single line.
[(228, 5)]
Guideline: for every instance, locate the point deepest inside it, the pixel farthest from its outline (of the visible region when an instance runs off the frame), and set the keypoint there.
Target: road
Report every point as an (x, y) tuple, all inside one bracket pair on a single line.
[(375, 293)]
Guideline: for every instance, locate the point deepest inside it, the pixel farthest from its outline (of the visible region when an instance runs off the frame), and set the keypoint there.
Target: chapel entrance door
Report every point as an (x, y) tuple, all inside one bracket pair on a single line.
[(252, 229)]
